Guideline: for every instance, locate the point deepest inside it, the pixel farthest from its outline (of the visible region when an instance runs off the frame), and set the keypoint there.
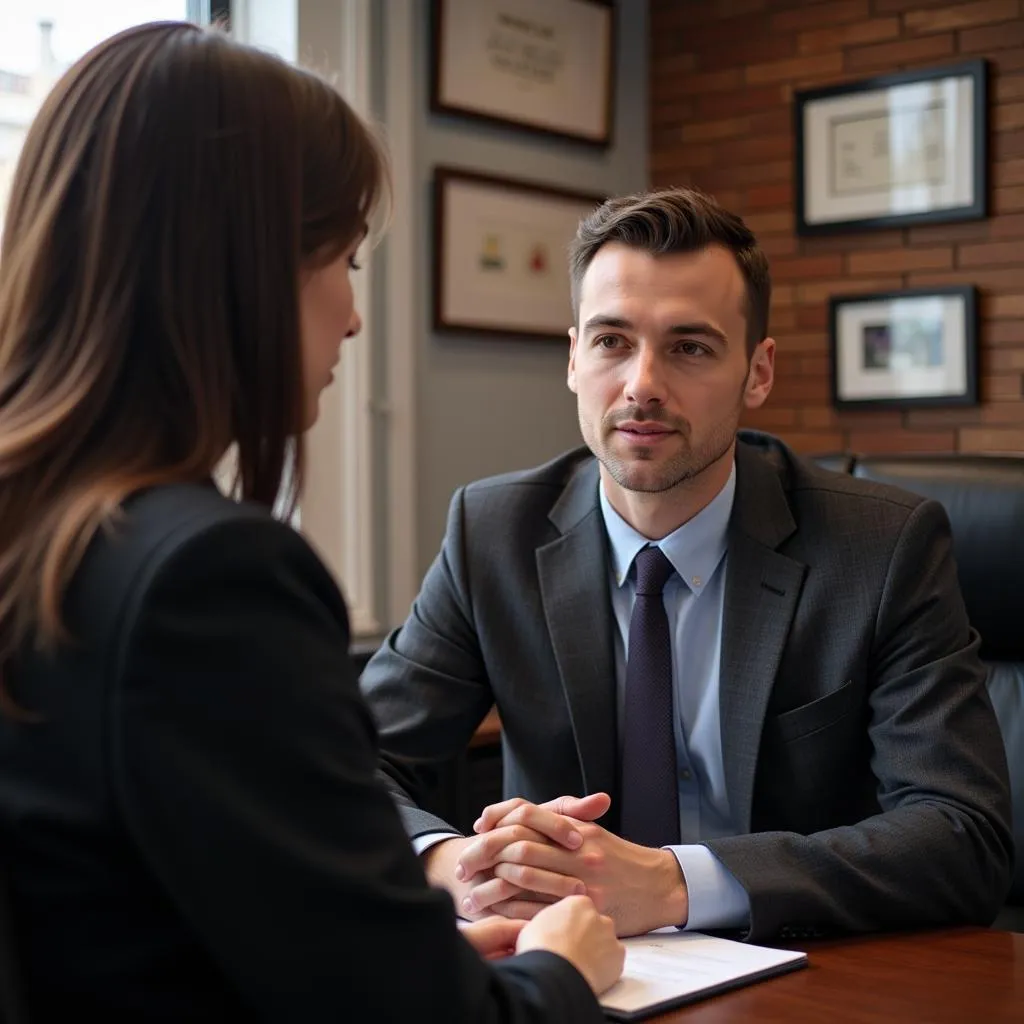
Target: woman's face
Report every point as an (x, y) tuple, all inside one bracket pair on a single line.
[(327, 315)]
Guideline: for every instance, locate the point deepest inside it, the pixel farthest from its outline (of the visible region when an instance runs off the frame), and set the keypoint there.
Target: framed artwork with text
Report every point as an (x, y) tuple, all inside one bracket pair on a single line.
[(908, 148), (543, 65)]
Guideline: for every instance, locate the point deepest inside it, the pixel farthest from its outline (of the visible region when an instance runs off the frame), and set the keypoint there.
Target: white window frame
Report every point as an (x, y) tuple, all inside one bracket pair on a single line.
[(342, 479), (405, 319)]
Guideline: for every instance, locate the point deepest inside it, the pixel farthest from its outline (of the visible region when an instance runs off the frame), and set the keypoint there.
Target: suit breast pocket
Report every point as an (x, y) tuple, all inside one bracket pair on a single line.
[(819, 714)]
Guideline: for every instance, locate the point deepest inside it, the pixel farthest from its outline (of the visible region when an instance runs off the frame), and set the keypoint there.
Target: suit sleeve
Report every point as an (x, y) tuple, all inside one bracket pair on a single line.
[(242, 760), (941, 850), (427, 686)]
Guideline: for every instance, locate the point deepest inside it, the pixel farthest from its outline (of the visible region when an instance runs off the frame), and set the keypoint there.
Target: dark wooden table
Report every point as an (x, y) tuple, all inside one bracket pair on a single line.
[(959, 975), (963, 975)]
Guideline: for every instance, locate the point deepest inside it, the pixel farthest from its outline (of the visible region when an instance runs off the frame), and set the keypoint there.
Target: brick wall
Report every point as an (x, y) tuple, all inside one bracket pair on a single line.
[(722, 77)]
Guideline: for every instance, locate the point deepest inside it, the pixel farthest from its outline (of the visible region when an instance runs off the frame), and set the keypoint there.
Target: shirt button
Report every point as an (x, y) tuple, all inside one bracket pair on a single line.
[(685, 775), (696, 581)]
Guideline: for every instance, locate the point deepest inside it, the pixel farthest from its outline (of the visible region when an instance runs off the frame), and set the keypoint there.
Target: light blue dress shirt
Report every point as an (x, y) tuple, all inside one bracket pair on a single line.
[(693, 601)]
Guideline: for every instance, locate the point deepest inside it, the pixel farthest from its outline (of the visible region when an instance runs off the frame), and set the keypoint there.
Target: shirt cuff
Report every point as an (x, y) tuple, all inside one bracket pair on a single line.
[(715, 898), (424, 842)]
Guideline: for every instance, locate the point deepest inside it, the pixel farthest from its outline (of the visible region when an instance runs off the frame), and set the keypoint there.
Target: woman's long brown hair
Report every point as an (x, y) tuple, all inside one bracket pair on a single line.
[(170, 191)]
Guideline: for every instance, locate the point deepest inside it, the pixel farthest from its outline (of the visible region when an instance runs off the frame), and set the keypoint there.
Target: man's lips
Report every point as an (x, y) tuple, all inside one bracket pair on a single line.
[(644, 435), (644, 429)]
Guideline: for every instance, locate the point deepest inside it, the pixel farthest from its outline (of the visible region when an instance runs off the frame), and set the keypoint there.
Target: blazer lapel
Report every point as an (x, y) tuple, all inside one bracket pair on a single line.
[(574, 584), (761, 591)]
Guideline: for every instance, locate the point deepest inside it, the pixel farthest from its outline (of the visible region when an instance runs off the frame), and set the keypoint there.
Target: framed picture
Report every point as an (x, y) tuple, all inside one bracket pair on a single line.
[(546, 65), (907, 348), (501, 254), (908, 148)]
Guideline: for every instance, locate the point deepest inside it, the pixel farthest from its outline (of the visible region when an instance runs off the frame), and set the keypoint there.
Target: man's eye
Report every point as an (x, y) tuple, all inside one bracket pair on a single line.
[(693, 348), (607, 341)]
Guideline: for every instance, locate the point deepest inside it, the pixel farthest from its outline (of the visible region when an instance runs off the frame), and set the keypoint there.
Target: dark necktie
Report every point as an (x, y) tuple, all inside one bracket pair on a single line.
[(650, 794)]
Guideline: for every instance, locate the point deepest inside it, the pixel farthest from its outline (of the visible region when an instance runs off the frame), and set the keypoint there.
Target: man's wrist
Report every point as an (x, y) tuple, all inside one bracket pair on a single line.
[(673, 898), (439, 862), (426, 840)]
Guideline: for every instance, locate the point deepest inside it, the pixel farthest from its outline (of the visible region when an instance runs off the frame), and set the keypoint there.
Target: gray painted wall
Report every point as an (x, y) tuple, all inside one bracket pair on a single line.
[(488, 405)]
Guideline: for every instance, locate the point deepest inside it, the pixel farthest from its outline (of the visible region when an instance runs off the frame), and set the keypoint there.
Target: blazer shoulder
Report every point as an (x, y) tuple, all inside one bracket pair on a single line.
[(554, 475), (154, 525), (807, 482), (530, 491), (168, 532), (810, 480), (526, 503)]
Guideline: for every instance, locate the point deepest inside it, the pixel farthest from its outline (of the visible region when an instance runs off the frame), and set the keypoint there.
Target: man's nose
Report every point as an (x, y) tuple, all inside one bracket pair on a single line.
[(645, 379)]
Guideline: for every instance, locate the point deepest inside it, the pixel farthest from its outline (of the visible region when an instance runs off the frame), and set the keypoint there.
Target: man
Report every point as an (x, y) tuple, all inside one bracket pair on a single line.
[(766, 667)]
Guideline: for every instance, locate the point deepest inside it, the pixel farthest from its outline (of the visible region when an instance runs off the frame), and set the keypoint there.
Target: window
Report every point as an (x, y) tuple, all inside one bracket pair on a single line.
[(42, 38)]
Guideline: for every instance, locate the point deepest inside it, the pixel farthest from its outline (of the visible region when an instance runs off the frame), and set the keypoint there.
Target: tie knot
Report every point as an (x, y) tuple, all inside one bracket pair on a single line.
[(652, 570)]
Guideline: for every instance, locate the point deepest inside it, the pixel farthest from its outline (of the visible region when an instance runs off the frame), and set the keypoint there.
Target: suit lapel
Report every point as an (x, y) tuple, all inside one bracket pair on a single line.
[(574, 586), (761, 591)]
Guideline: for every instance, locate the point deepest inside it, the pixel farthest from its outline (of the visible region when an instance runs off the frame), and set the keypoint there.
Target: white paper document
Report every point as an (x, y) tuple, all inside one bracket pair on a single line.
[(668, 968)]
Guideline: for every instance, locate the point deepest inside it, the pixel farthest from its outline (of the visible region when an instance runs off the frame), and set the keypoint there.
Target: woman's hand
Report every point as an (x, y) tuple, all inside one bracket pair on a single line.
[(493, 937), (574, 929)]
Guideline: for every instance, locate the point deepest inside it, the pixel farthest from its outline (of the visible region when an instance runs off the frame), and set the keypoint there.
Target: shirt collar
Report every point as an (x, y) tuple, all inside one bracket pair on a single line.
[(695, 549)]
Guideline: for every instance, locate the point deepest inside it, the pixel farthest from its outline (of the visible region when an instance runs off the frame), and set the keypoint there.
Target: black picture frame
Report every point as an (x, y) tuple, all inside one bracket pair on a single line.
[(465, 106), (816, 185), (858, 328)]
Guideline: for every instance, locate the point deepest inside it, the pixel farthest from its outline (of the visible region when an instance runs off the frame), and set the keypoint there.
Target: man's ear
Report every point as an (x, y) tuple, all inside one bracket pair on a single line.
[(760, 375), (571, 376)]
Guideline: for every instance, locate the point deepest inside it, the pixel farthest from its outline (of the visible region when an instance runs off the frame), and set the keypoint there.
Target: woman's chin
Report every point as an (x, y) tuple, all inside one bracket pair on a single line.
[(310, 415)]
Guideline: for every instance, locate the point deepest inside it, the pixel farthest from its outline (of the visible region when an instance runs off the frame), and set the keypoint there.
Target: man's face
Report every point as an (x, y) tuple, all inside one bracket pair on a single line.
[(659, 363)]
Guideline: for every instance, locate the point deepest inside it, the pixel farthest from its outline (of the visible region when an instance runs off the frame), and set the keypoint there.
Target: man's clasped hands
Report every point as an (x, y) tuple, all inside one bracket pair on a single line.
[(523, 857)]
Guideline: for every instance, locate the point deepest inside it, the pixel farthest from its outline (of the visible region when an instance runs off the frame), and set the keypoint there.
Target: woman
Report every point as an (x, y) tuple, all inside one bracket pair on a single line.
[(188, 813)]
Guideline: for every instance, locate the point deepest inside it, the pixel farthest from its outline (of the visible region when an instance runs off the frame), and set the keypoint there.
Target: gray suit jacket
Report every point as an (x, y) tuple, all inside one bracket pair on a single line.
[(863, 762)]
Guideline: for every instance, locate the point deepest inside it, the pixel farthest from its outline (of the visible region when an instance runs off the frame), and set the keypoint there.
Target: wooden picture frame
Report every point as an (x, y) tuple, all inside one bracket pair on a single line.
[(500, 254), (549, 67)]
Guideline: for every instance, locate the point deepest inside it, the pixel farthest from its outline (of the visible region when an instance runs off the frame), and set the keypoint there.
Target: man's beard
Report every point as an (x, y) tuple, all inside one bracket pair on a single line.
[(640, 471)]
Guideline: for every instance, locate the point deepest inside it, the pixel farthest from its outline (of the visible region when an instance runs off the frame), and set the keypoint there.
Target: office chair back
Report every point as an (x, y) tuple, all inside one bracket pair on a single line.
[(984, 496)]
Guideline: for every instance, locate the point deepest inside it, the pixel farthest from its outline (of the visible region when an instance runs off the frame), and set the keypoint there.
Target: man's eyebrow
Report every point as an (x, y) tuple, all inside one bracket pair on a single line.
[(698, 328), (608, 321)]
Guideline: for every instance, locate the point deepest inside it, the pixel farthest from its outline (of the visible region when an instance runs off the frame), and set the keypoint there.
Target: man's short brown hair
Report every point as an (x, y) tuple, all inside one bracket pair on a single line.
[(676, 220)]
